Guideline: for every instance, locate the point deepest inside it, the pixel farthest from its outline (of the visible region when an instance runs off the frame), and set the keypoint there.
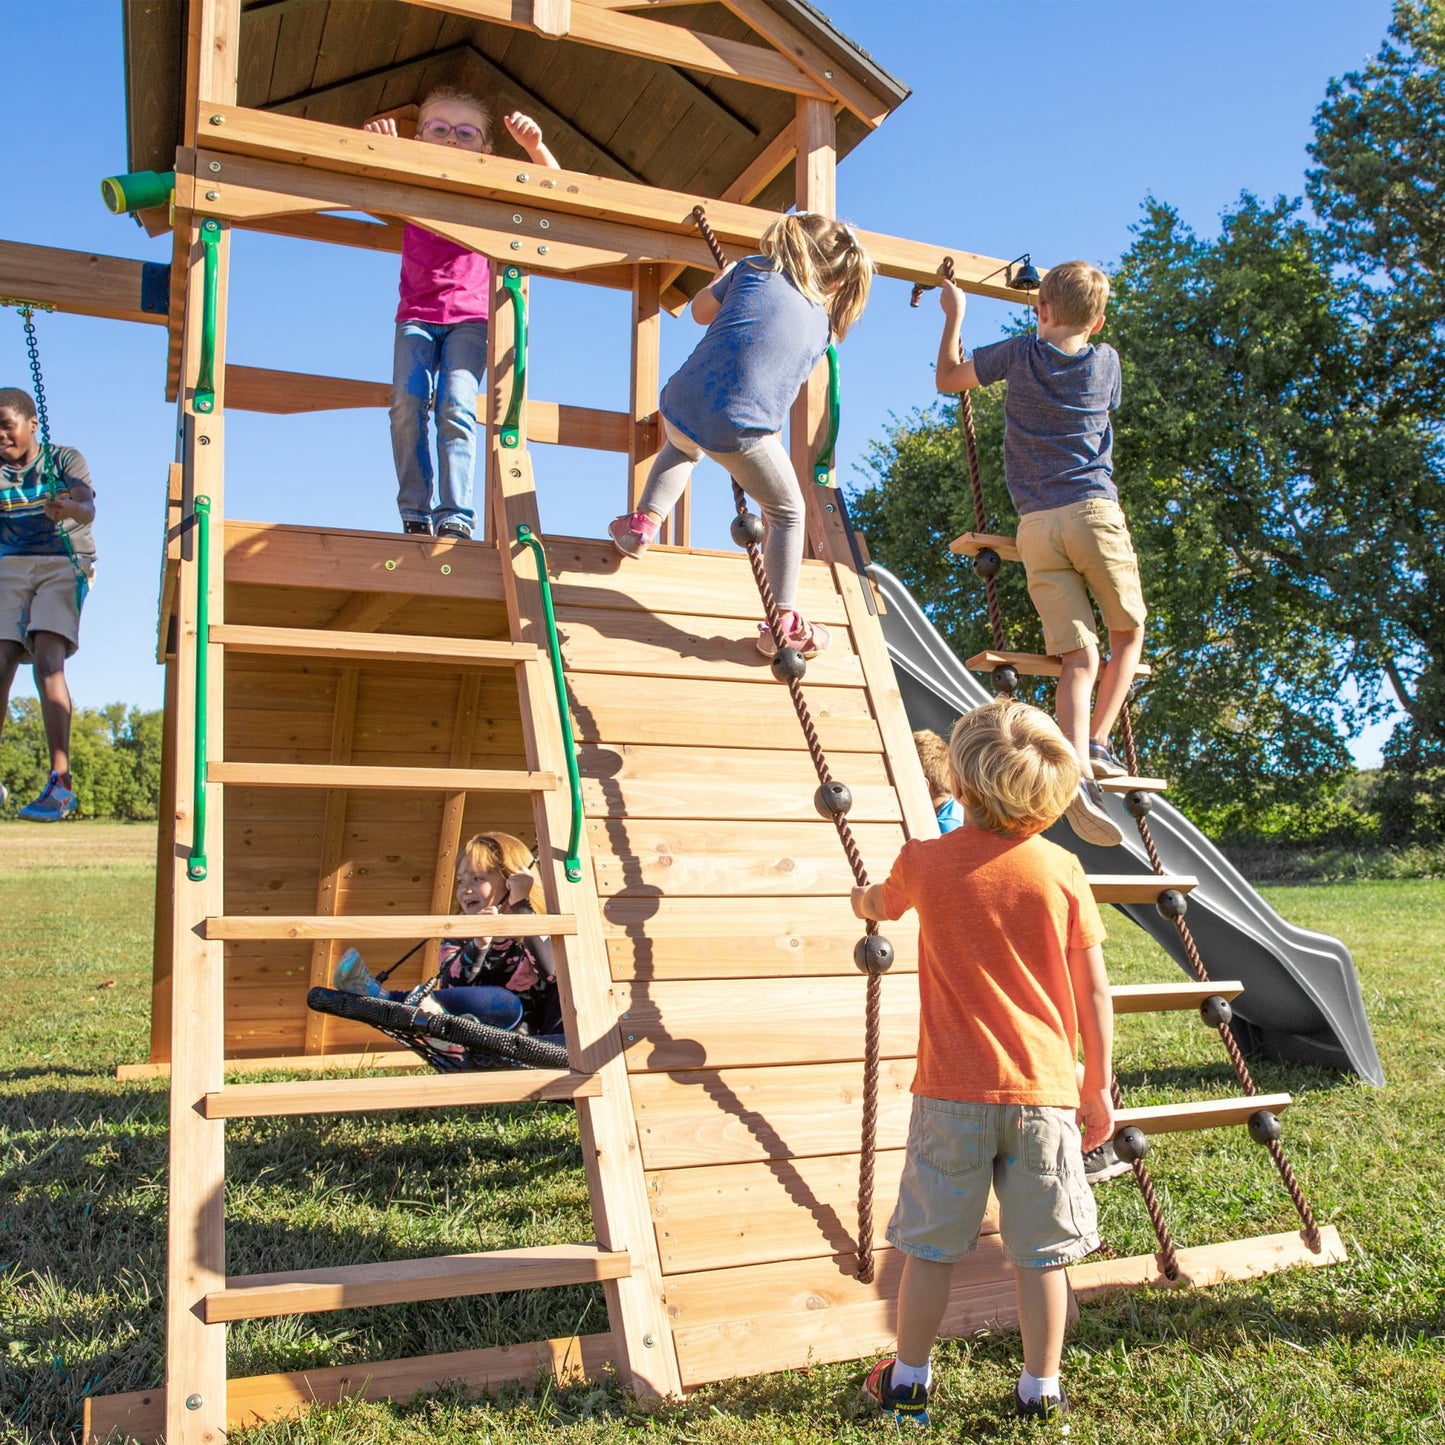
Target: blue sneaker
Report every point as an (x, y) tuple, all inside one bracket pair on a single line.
[(1105, 762), (53, 804), (351, 975), (904, 1404)]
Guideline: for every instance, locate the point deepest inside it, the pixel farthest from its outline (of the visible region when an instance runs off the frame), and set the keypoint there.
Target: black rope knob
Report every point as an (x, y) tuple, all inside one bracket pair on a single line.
[(789, 664), (1131, 1144), (1216, 1012), (986, 563), (1139, 803), (747, 529), (1171, 904), (1264, 1127), (873, 954), (833, 799), (1006, 679)]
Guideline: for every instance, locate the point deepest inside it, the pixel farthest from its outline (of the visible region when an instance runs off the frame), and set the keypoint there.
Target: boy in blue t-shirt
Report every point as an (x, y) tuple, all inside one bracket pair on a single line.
[(1072, 536), (47, 558)]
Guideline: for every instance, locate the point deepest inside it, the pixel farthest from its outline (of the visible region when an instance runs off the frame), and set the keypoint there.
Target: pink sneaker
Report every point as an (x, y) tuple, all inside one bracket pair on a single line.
[(633, 534), (809, 638)]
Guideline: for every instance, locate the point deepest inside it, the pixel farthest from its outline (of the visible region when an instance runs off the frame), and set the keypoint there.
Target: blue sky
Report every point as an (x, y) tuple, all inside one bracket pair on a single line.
[(1033, 127)]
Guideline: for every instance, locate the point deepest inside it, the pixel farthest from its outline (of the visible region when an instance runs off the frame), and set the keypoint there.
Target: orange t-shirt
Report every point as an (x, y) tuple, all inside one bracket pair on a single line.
[(997, 917)]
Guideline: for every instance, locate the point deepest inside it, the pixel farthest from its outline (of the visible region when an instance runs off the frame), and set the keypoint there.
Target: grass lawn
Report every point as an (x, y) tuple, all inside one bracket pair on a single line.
[(1351, 1354)]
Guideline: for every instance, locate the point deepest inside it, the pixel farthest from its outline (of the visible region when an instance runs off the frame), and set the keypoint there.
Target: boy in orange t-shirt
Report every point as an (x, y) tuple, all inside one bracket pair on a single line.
[(1011, 978)]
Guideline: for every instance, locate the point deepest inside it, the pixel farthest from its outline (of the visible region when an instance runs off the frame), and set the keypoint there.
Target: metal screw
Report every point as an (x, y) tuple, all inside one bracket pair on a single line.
[(446, 569), (215, 168), (649, 1340), (516, 471), (827, 75), (194, 1402), (218, 120), (205, 441), (517, 218), (516, 245), (543, 250), (545, 225), (632, 1038), (213, 195), (521, 175), (391, 564)]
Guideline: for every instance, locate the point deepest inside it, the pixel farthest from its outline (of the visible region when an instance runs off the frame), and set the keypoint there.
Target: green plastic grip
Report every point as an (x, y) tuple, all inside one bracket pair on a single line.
[(204, 399), (196, 862), (512, 282), (137, 191), (573, 861), (823, 467)]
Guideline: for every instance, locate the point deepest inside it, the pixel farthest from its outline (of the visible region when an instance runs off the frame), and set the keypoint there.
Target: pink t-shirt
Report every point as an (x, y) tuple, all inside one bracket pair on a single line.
[(441, 283)]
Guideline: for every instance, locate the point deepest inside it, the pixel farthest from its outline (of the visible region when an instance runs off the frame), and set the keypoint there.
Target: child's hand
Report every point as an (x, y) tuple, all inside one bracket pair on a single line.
[(62, 507), (524, 130), (519, 885), (856, 898), (952, 300), (385, 126), (1096, 1117)]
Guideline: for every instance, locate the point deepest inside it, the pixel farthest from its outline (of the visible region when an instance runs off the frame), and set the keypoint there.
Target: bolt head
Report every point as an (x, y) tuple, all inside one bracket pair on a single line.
[(213, 195), (543, 250), (521, 175), (516, 245), (446, 569), (545, 225), (218, 120), (517, 218), (194, 1402), (215, 167)]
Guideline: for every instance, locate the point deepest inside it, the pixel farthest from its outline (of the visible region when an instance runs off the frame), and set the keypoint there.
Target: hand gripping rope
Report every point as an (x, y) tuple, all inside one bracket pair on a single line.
[(873, 954), (1263, 1126)]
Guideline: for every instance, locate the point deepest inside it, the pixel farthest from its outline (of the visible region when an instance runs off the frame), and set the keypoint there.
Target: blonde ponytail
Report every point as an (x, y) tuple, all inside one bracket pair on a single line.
[(826, 262)]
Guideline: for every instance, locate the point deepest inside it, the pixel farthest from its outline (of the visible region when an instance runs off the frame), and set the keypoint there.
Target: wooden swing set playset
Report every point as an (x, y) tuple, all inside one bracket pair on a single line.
[(343, 708)]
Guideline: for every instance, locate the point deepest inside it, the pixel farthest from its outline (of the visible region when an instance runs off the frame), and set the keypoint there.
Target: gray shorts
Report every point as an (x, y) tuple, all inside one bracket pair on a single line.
[(37, 594), (1030, 1154)]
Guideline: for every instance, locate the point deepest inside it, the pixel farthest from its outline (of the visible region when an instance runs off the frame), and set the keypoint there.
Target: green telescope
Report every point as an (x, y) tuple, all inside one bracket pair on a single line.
[(138, 191)]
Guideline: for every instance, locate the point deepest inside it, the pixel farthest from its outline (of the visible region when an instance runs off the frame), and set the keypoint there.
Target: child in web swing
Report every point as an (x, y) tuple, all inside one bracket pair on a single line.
[(441, 332), (507, 983), (769, 319)]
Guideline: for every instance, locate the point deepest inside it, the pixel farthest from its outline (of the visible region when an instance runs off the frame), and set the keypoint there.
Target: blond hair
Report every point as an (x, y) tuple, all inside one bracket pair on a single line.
[(826, 262), (1012, 768), (500, 853), (458, 96), (933, 756), (1076, 293)]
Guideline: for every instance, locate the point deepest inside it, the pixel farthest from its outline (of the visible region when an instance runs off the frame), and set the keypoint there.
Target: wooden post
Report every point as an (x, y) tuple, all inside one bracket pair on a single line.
[(645, 437), (501, 337)]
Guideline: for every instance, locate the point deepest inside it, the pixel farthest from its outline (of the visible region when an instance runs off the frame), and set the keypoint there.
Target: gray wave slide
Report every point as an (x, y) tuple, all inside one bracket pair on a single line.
[(1301, 998)]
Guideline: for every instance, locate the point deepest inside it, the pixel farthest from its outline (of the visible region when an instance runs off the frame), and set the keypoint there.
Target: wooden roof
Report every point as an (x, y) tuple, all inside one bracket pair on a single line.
[(619, 115)]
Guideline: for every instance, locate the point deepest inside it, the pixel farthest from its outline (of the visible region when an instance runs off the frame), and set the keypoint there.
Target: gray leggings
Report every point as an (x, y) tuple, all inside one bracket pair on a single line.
[(762, 469)]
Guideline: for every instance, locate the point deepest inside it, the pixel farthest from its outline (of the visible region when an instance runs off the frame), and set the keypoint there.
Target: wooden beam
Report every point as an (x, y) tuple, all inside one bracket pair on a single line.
[(81, 283), (232, 927), (1031, 664), (645, 424), (454, 807), (578, 426), (1137, 887), (650, 40), (1199, 1113), (381, 647), (1138, 998), (340, 775), (286, 393)]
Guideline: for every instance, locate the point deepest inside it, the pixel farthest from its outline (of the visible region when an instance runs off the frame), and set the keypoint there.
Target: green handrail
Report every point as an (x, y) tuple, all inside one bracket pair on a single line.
[(824, 465), (512, 282), (573, 861), (196, 863), (204, 399)]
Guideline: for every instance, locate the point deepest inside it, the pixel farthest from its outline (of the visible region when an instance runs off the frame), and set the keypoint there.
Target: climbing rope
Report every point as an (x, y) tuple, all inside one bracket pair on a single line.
[(873, 954)]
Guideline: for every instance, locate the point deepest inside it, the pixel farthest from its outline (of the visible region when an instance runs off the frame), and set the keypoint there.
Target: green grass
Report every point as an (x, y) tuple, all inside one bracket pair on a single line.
[(1351, 1354)]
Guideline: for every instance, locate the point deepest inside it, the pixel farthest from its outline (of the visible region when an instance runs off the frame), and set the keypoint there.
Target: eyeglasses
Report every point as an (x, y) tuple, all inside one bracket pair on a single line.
[(440, 130)]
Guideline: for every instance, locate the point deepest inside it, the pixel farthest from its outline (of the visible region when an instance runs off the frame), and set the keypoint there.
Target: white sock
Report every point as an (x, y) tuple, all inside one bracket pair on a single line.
[(905, 1375), (1035, 1387)]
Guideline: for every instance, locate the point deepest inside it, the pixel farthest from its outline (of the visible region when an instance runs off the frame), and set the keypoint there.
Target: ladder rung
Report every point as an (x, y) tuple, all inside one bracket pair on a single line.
[(233, 926), (1133, 785), (1199, 1114), (972, 543), (447, 1276), (428, 1091), (1134, 887), (370, 646), (1142, 998), (346, 775), (1029, 664)]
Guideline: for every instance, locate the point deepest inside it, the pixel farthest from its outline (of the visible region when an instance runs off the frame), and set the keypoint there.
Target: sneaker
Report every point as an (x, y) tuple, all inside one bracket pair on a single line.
[(53, 804), (4, 795), (1046, 1407), (1106, 762), (415, 528), (908, 1404), (633, 534), (809, 638), (1088, 819), (1103, 1163), (458, 531), (351, 975)]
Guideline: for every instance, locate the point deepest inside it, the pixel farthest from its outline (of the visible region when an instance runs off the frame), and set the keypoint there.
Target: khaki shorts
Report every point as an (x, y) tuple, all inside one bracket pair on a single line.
[(37, 594), (1071, 551), (1031, 1154)]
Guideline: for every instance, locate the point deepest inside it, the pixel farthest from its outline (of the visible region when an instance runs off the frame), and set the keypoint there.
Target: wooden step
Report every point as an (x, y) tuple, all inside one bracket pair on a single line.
[(429, 1091), (1141, 998), (1029, 664), (972, 543), (338, 775), (370, 646), (1199, 1113), (446, 1276), (380, 925), (1133, 785), (1136, 887)]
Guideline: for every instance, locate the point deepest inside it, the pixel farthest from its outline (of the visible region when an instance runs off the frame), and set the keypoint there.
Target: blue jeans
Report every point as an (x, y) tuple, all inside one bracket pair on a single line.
[(449, 361), (499, 1007)]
